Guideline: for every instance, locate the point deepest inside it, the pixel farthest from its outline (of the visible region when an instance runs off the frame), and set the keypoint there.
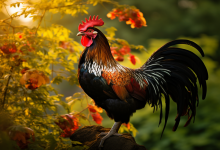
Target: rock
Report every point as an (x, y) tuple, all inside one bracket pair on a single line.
[(88, 135)]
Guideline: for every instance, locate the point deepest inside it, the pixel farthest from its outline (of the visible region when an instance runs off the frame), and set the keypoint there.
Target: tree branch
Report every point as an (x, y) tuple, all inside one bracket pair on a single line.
[(89, 136), (40, 21)]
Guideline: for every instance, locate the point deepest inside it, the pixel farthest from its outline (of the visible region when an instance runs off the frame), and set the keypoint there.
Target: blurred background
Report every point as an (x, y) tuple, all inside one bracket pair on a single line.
[(196, 20)]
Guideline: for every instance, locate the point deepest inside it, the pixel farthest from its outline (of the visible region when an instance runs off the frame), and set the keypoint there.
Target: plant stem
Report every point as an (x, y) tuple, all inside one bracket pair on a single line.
[(82, 110), (6, 89)]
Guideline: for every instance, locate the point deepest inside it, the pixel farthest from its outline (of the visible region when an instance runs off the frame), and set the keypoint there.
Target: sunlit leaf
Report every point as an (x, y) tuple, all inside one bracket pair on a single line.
[(111, 31)]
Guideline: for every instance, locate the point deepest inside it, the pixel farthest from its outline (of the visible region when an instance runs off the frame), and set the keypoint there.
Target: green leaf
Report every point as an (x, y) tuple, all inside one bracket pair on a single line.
[(57, 80), (76, 142), (52, 143), (65, 106)]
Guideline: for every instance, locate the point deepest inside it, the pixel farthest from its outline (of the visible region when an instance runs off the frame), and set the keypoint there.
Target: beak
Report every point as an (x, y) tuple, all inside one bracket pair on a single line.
[(95, 32), (80, 34)]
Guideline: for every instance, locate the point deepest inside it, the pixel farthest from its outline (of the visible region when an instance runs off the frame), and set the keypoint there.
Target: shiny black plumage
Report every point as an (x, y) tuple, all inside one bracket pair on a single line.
[(179, 79), (104, 96), (170, 73)]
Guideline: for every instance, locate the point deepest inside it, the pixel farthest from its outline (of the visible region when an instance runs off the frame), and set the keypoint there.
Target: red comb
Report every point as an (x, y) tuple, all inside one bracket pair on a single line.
[(90, 23)]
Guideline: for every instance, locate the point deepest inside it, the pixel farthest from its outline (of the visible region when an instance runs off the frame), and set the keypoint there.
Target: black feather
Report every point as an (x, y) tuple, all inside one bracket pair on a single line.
[(176, 71)]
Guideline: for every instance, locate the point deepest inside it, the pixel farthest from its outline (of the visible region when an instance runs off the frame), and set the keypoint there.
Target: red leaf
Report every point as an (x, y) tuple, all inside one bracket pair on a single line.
[(20, 35), (132, 59), (24, 70), (125, 50), (68, 123), (138, 23), (8, 48), (119, 58), (73, 121), (123, 18), (22, 137), (91, 108), (32, 84), (129, 15), (97, 117)]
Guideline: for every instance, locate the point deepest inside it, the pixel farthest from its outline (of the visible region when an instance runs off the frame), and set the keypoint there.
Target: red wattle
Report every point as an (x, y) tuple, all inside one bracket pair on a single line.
[(86, 41)]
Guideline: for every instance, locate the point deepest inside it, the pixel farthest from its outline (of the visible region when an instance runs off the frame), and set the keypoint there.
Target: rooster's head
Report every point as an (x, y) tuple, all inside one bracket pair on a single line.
[(87, 31)]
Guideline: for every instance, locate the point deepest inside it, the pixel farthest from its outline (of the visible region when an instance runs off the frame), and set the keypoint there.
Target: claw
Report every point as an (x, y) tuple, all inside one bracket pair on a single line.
[(113, 131), (103, 133), (101, 143)]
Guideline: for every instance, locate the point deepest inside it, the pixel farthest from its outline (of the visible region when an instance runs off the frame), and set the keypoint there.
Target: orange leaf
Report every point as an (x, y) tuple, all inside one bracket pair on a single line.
[(98, 109), (127, 125), (137, 59), (97, 117), (32, 79), (111, 15)]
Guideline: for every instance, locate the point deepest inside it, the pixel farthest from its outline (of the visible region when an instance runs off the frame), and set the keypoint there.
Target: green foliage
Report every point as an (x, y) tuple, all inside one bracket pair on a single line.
[(46, 49), (29, 57)]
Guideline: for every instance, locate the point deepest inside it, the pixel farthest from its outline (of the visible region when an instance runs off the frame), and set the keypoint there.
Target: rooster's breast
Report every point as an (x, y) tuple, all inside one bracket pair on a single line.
[(112, 100), (94, 86)]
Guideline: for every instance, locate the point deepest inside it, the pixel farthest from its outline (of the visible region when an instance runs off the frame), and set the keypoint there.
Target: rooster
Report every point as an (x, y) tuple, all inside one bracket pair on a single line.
[(170, 72)]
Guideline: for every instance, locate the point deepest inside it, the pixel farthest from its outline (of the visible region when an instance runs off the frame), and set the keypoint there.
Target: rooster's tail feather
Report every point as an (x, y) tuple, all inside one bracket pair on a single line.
[(173, 72)]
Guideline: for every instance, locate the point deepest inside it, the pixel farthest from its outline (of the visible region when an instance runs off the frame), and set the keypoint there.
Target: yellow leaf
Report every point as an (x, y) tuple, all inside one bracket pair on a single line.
[(86, 12), (26, 112), (111, 31)]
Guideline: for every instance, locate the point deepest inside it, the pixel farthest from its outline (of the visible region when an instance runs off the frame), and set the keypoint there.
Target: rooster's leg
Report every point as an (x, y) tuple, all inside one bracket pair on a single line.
[(113, 131)]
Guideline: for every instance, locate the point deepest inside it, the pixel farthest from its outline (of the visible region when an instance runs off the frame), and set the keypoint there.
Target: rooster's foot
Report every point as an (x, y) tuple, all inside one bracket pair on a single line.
[(113, 131), (107, 135)]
